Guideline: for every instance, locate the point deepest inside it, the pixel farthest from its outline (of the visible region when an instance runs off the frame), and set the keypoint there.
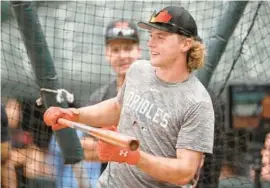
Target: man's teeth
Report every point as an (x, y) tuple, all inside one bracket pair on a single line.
[(154, 53)]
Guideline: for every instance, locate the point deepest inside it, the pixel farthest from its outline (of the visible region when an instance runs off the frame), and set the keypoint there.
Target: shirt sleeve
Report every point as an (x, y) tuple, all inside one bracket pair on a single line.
[(197, 129)]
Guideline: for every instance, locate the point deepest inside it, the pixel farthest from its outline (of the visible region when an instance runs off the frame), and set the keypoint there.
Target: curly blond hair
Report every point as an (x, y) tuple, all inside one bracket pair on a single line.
[(196, 54)]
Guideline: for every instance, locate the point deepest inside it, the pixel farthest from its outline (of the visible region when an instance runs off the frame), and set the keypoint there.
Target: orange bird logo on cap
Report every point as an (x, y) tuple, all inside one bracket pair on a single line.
[(162, 17)]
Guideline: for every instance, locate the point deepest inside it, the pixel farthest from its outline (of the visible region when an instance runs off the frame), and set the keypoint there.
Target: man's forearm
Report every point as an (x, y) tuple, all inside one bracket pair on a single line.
[(103, 114), (8, 175), (169, 170), (5, 148)]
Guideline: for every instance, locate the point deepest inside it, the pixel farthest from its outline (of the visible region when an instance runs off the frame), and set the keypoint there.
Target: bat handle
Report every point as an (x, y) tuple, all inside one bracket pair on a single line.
[(74, 125)]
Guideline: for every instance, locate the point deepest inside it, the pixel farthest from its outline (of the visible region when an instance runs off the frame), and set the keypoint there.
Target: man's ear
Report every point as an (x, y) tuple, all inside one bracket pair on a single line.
[(186, 44)]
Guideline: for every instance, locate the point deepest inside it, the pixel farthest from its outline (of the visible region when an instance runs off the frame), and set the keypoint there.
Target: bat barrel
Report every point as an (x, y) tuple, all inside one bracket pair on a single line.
[(134, 145), (115, 138), (109, 136)]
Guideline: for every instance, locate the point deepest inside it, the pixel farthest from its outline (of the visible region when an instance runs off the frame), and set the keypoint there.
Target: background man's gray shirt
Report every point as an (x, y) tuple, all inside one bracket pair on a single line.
[(105, 92), (164, 117)]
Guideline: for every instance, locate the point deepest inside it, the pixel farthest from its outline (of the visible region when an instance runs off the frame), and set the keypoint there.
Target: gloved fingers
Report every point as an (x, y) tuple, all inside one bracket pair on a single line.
[(57, 127)]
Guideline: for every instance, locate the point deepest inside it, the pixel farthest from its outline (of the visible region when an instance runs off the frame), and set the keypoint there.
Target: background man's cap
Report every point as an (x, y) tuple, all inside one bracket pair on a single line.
[(174, 20), (121, 29)]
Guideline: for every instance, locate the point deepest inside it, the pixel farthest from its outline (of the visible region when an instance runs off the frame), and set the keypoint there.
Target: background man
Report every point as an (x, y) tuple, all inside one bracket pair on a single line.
[(122, 49)]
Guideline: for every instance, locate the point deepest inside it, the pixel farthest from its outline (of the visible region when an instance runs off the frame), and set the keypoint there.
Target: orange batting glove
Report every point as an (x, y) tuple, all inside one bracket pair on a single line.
[(109, 152), (52, 115)]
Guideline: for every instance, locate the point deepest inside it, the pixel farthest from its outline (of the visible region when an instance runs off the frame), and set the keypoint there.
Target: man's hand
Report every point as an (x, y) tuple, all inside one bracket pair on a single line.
[(109, 152), (266, 159), (265, 171), (52, 115)]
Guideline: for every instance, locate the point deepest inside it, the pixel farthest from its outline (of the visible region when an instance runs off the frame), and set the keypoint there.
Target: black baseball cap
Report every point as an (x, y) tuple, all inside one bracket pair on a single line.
[(121, 29), (173, 19)]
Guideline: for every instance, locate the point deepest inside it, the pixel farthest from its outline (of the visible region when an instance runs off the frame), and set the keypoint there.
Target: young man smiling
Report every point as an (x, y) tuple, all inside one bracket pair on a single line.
[(175, 125)]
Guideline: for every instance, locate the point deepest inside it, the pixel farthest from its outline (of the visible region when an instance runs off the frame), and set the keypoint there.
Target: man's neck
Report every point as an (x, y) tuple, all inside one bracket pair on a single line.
[(119, 81), (172, 74)]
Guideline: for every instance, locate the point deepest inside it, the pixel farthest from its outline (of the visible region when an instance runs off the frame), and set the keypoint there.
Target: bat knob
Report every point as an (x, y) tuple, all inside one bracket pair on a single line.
[(134, 145)]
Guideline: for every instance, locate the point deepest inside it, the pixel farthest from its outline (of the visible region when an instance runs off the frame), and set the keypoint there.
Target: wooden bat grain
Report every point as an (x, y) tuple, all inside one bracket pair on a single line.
[(109, 136)]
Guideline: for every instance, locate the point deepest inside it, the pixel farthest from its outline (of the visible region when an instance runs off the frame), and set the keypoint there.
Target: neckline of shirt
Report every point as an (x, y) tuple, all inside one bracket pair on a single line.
[(169, 84)]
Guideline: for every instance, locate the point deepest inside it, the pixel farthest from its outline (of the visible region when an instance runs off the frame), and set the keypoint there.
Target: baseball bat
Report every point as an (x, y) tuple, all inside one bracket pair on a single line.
[(109, 136)]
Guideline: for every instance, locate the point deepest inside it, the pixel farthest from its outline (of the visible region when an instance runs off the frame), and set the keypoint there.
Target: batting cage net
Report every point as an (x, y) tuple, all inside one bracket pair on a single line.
[(53, 53)]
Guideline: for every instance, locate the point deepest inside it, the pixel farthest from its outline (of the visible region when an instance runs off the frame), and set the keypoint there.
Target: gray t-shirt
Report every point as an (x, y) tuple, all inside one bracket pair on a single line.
[(164, 117), (240, 182), (105, 92)]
